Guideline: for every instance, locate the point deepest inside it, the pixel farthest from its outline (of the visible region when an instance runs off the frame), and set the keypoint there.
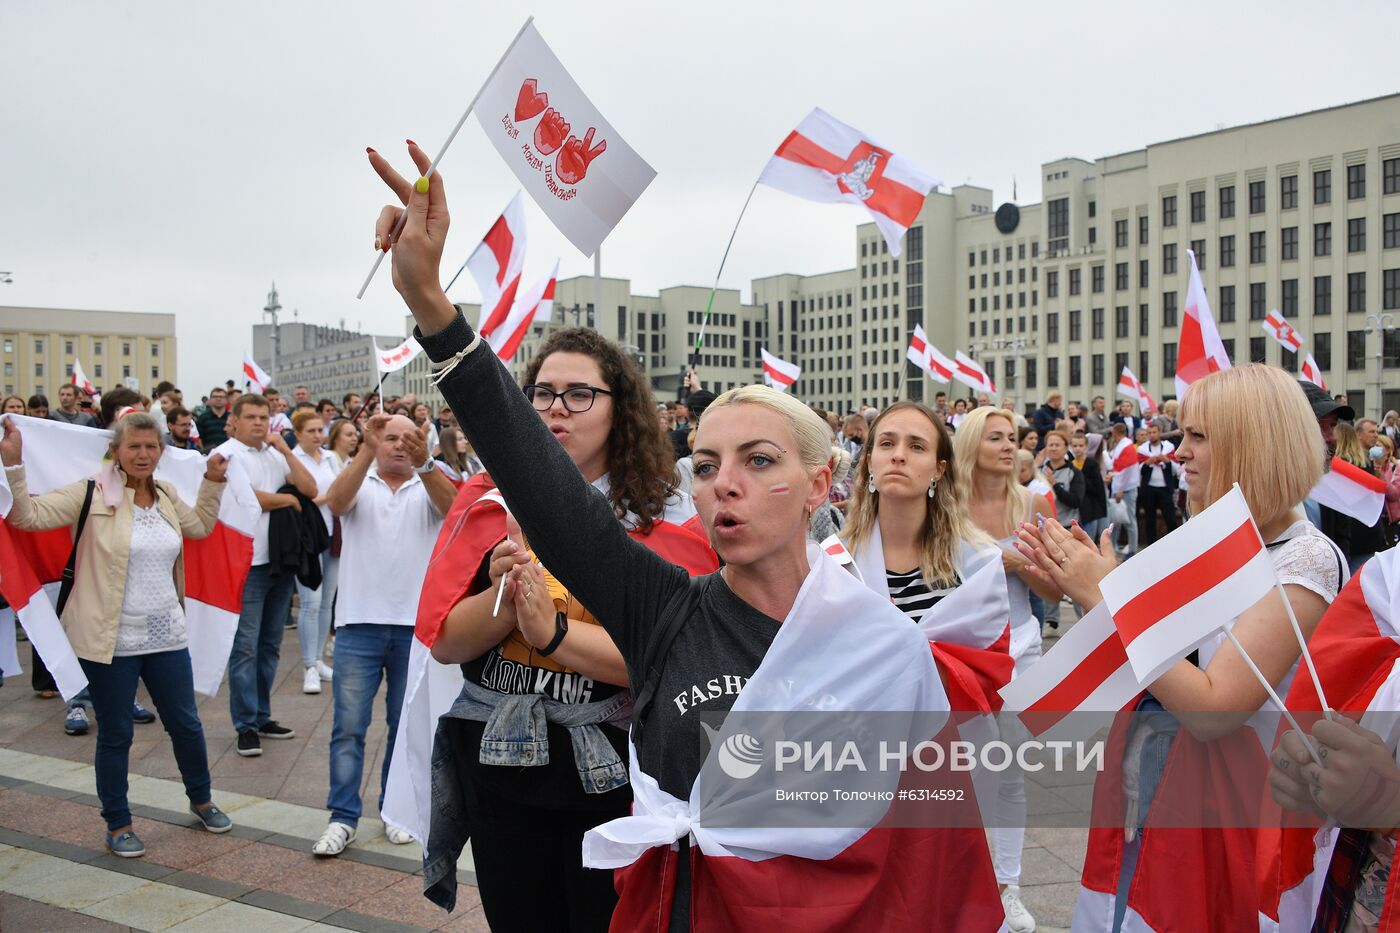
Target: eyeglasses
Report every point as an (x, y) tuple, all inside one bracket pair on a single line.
[(577, 399)]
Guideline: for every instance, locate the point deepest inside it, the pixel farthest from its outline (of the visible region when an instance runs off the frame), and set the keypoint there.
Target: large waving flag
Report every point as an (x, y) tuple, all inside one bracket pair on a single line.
[(779, 373), (825, 160), (1277, 327), (926, 356), (972, 375), (57, 454), (1200, 351), (1312, 372), (536, 303), (1130, 387), (496, 266), (1195, 581), (1349, 489), (396, 358), (257, 378)]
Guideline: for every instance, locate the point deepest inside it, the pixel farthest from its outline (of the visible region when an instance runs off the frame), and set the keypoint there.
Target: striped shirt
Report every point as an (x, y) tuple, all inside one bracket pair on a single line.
[(911, 595)]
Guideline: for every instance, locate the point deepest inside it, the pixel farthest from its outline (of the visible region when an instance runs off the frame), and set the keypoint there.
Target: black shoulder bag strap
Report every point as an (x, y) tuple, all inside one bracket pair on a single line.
[(66, 587), (655, 660)]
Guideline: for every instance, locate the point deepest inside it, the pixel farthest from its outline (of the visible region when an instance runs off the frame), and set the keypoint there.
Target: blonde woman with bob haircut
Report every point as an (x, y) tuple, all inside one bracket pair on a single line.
[(779, 627), (1223, 437)]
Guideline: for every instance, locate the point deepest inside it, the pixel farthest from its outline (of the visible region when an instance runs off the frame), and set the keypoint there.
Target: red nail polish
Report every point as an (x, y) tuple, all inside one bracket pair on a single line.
[(410, 142), (368, 149)]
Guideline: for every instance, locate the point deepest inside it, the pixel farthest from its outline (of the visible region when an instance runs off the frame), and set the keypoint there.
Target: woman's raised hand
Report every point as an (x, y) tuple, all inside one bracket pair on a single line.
[(216, 468), (416, 255), (11, 446)]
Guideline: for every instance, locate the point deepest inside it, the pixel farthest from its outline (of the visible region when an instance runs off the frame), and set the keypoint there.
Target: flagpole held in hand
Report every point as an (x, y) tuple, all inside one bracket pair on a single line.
[(700, 338), (1307, 655), (1268, 688), (398, 228)]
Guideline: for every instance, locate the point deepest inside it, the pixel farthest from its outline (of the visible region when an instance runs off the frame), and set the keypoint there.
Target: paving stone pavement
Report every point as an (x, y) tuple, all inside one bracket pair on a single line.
[(55, 873)]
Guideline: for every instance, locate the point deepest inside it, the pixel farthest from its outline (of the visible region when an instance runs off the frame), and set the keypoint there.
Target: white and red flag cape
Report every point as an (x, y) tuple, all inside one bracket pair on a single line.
[(825, 160), (1351, 490), (81, 380), (926, 356), (1312, 372), (1356, 649), (840, 876), (1196, 580), (473, 527), (496, 265), (970, 374), (571, 160), (1200, 351), (257, 378), (396, 358), (779, 373), (1123, 462), (1277, 327), (535, 303), (57, 454)]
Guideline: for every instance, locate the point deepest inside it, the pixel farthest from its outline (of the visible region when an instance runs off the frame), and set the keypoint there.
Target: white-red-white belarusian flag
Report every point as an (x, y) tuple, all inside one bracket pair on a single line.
[(576, 166), (972, 375), (779, 373), (1123, 463), (1351, 490), (81, 380), (496, 265), (1193, 583), (1085, 673), (57, 454), (396, 358), (926, 356), (257, 378), (1200, 351), (825, 160), (1130, 388), (1278, 328), (535, 303), (1312, 372)]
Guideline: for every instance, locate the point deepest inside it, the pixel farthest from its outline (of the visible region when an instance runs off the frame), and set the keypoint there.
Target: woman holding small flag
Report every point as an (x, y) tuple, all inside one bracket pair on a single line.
[(780, 619), (1192, 727)]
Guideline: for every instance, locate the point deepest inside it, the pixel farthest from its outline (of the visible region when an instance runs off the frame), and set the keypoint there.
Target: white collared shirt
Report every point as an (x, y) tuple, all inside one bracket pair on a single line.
[(268, 471), (1156, 474), (324, 473), (387, 538)]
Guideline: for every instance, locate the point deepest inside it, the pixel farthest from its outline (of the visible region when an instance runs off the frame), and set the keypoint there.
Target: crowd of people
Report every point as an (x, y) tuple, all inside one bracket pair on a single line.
[(606, 569)]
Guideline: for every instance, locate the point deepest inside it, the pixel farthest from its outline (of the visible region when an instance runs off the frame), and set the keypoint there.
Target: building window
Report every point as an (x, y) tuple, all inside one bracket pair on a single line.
[(1052, 371), (1058, 224), (1258, 301), (1093, 235), (1322, 350), (1390, 231), (1052, 284), (1227, 304), (1356, 182), (1093, 209), (1144, 322), (1390, 349), (126, 349), (1168, 309), (1168, 258), (1074, 281), (1322, 295), (1074, 370), (1322, 239), (1227, 251), (1142, 365), (1142, 230), (68, 349), (1198, 207), (155, 351), (1288, 192), (1096, 323), (1052, 327), (1390, 176), (1142, 273), (1390, 289), (1227, 206), (1256, 247), (1198, 247), (1356, 235), (1120, 277), (1256, 350), (1096, 279), (39, 370), (1120, 234), (971, 259), (1120, 321), (1322, 186), (39, 345), (1169, 211), (1356, 291), (1356, 349), (1288, 298), (1256, 197), (1168, 359)]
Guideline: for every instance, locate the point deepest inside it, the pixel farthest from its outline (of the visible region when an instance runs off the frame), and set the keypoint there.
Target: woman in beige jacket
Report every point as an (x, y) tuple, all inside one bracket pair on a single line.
[(125, 616)]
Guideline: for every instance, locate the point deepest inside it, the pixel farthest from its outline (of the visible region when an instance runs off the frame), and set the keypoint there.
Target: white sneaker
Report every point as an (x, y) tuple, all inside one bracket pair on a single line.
[(311, 681), (397, 836), (1018, 919), (324, 670), (334, 840)]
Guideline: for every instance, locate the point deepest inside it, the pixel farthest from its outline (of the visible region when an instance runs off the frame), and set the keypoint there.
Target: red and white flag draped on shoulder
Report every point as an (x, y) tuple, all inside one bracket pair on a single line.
[(474, 525), (847, 648), (1356, 648), (1352, 491), (825, 160)]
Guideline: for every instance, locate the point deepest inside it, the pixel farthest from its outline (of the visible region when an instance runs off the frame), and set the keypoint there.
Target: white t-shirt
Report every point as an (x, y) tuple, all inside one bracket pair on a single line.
[(386, 540), (268, 471), (324, 473), (1156, 474)]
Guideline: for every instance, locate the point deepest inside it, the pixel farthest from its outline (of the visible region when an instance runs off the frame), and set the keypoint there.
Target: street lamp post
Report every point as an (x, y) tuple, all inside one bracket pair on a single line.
[(271, 309), (1380, 325)]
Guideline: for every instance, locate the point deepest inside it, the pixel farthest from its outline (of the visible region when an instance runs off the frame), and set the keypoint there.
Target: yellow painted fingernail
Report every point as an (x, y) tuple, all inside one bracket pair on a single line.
[(421, 186)]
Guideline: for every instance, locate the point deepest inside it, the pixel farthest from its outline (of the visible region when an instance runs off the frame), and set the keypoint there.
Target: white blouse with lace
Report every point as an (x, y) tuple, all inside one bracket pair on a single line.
[(151, 618)]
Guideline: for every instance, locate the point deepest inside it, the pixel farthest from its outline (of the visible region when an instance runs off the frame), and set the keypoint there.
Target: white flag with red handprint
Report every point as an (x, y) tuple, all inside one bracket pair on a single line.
[(575, 165)]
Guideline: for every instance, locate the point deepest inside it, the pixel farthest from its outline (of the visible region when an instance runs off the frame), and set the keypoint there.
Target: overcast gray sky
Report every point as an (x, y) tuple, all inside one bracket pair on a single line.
[(179, 156)]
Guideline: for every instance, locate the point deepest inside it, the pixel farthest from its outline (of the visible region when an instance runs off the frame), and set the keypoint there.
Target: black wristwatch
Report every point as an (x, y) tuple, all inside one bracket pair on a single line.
[(561, 628)]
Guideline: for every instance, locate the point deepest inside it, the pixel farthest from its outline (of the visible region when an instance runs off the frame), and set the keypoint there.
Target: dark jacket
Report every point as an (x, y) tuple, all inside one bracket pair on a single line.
[(295, 540), (1094, 505), (1354, 538), (1044, 420), (213, 429)]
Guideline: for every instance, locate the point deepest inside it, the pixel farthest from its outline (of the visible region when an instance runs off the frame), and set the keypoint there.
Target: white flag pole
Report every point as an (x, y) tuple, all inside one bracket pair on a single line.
[(700, 338), (398, 228), (1268, 688), (1307, 655)]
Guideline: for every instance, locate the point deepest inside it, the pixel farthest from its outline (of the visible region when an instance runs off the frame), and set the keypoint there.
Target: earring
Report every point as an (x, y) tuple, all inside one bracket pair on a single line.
[(932, 485), (871, 485)]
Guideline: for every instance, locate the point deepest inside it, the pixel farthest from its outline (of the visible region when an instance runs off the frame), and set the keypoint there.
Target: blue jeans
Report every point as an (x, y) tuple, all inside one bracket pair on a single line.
[(252, 665), (364, 655), (169, 679), (314, 619)]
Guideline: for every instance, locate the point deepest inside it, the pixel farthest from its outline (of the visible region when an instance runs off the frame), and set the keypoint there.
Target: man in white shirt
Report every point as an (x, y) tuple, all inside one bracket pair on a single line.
[(391, 501), (1158, 489), (267, 599), (1121, 463)]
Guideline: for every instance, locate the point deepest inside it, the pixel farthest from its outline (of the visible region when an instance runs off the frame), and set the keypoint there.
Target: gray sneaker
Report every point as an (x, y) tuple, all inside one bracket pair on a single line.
[(214, 819), (127, 845)]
